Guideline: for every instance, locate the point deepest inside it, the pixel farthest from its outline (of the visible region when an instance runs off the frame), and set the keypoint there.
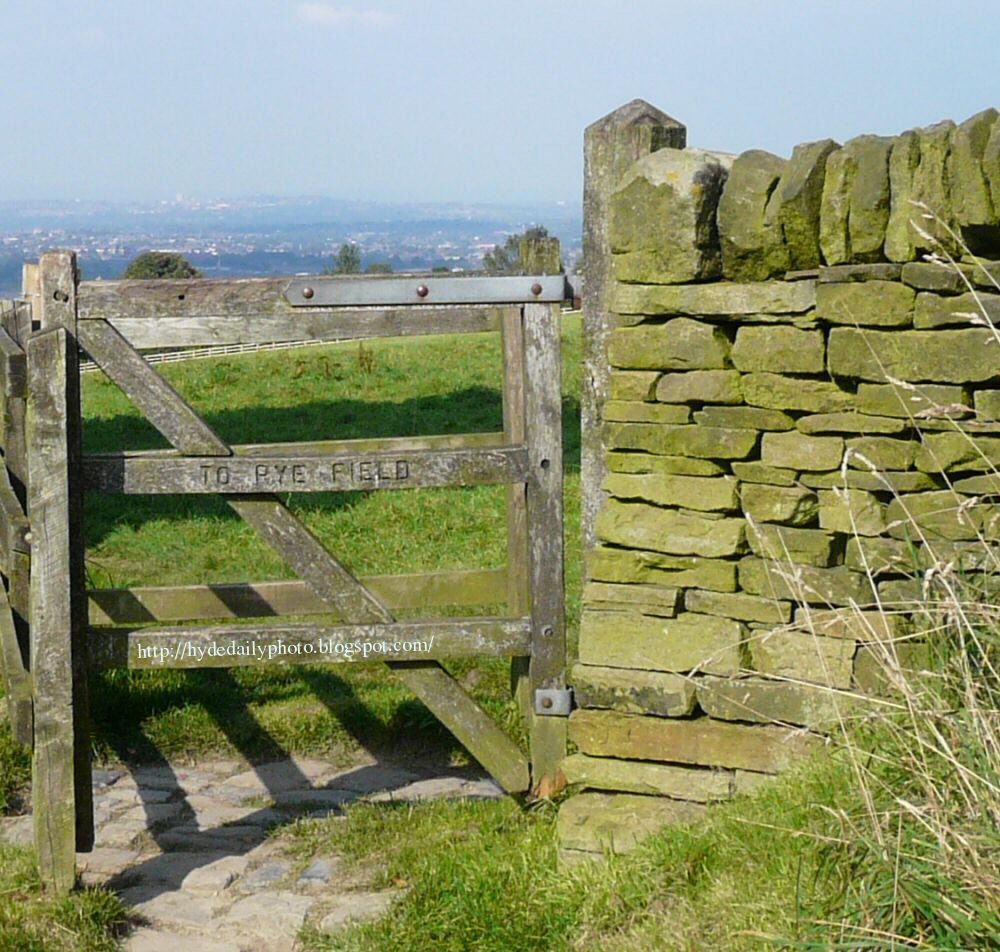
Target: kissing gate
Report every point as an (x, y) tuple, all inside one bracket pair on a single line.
[(53, 632)]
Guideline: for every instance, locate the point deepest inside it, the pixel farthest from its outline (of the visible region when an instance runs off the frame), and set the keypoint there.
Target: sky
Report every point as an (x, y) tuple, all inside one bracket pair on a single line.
[(450, 100)]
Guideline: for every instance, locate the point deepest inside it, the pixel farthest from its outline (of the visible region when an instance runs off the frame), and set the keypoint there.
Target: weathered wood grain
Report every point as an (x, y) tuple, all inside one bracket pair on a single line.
[(13, 524), (225, 646), (16, 322), (543, 414), (159, 402), (16, 679), (387, 445), (123, 606), (13, 368), (53, 574), (305, 474), (332, 326)]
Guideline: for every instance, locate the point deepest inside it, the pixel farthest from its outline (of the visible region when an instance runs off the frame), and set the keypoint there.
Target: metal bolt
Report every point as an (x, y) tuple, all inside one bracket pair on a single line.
[(548, 631), (307, 293), (422, 291), (547, 703), (536, 289)]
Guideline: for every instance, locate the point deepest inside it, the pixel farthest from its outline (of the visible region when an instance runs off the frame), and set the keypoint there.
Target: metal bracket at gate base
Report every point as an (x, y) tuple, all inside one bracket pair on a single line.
[(553, 702), (422, 289)]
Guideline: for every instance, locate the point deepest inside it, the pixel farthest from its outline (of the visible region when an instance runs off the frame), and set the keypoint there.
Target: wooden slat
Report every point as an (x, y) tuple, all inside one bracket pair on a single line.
[(225, 646), (123, 606), (17, 681), (372, 471), (386, 445), (332, 326), (13, 369), (16, 321), (159, 402), (13, 524), (50, 501), (543, 411)]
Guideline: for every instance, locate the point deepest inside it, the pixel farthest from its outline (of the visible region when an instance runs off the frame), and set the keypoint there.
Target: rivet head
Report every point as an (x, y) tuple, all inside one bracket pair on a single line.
[(547, 703), (548, 631), (422, 291), (536, 289), (307, 293)]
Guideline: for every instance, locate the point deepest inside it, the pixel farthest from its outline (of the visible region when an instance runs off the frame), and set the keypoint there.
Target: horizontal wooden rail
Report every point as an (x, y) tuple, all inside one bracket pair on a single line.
[(385, 444), (228, 646), (133, 606), (330, 473)]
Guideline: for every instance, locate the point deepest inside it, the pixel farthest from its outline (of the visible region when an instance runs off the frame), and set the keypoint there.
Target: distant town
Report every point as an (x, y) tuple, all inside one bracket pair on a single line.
[(269, 235)]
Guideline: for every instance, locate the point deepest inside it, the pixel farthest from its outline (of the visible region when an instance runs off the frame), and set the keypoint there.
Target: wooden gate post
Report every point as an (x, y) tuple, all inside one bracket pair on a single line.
[(61, 776), (543, 433)]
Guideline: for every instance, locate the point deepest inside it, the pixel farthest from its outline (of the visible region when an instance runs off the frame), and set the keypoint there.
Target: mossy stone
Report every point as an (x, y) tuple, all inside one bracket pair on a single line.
[(800, 194), (680, 344), (776, 392), (868, 303), (779, 350), (794, 505), (642, 526)]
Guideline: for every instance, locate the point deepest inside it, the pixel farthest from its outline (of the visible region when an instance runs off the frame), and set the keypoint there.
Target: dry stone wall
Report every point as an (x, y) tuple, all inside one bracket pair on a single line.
[(803, 417)]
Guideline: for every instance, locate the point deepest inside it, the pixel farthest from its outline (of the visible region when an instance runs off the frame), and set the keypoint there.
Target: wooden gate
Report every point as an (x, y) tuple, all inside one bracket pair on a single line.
[(53, 632)]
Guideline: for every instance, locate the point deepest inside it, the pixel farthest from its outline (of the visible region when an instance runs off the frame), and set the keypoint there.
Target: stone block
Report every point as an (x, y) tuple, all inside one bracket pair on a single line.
[(881, 481), (634, 776), (800, 194), (852, 511), (675, 532), (701, 740), (792, 450), (841, 273), (700, 386), (753, 247), (622, 462), (817, 707), (851, 624), (940, 277), (788, 393), (644, 598), (801, 656), (748, 782), (871, 303), (804, 584), (778, 350), (879, 556), (963, 310), (689, 492), (635, 411), (971, 196), (803, 546), (855, 203), (987, 404), (680, 344), (849, 422), (916, 402), (656, 693), (718, 301), (941, 356), (991, 163), (704, 442), (881, 452), (919, 171), (988, 485), (887, 670), (793, 505), (957, 452), (688, 642), (941, 515), (738, 606), (632, 384), (661, 218), (744, 418), (760, 473), (618, 823), (631, 566)]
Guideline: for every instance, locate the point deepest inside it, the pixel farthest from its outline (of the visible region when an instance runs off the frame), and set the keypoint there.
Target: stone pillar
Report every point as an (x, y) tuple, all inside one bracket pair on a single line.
[(610, 146)]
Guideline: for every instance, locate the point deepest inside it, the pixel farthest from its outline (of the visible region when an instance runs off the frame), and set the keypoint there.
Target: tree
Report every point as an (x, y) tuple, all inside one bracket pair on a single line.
[(346, 261), (378, 267), (506, 258), (160, 264)]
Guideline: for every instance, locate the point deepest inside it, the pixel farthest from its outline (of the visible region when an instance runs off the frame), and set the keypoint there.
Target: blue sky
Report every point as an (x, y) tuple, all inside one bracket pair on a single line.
[(435, 100)]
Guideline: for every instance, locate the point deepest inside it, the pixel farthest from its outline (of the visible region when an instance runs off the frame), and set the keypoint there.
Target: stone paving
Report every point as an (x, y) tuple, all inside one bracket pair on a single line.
[(189, 850)]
